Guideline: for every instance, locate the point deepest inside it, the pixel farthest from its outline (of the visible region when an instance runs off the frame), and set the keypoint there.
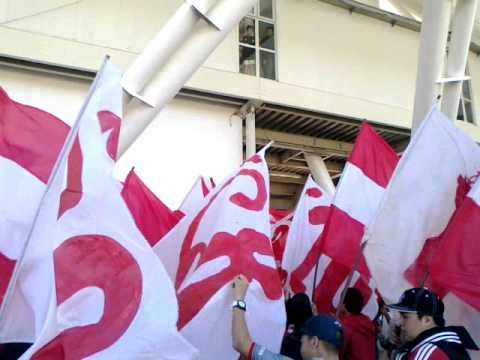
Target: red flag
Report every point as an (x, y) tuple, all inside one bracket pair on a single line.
[(356, 201), (456, 264), (153, 218)]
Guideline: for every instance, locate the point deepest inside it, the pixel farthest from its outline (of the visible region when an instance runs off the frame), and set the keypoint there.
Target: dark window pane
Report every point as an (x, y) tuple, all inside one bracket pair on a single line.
[(248, 64), (247, 31), (267, 65), (468, 111), (266, 8), (267, 35), (466, 89), (460, 112)]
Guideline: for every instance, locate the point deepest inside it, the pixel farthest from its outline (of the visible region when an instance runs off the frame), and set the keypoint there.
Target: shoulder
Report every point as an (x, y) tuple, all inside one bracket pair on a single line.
[(260, 352), (428, 351)]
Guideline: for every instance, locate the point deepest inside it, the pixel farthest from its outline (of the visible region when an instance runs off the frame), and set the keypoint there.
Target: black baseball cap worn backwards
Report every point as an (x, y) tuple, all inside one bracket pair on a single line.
[(419, 300), (327, 328)]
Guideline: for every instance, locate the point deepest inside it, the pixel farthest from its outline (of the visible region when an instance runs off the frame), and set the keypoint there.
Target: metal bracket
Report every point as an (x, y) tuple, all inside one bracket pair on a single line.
[(453, 79)]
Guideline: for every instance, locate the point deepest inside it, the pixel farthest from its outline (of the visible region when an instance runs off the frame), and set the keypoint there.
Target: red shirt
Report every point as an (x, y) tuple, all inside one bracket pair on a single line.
[(359, 338)]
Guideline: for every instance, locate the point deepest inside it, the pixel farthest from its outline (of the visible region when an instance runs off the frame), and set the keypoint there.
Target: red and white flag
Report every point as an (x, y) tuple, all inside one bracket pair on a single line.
[(153, 218), (308, 222), (356, 201), (229, 234), (89, 280), (26, 161), (429, 183), (199, 191)]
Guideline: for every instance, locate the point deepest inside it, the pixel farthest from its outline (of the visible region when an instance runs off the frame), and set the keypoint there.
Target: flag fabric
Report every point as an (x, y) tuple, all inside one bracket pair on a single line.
[(26, 161), (227, 235), (356, 201), (200, 189), (89, 280), (307, 225), (280, 229), (153, 218), (456, 264)]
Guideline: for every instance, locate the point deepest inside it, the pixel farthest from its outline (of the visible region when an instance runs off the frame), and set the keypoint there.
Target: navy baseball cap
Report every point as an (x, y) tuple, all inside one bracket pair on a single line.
[(326, 328), (419, 300)]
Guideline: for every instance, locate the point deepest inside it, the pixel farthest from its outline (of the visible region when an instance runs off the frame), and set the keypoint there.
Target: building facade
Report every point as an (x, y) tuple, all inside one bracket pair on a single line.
[(314, 69)]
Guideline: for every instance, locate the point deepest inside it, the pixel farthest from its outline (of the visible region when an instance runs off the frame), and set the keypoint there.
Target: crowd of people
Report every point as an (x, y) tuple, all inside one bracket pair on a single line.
[(412, 329)]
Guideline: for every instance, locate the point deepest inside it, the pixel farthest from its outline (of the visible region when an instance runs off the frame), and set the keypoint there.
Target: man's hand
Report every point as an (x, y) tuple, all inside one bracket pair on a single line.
[(240, 286)]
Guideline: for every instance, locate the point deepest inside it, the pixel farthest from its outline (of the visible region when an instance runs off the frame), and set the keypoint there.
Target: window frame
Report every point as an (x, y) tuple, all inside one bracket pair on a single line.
[(463, 100), (257, 19)]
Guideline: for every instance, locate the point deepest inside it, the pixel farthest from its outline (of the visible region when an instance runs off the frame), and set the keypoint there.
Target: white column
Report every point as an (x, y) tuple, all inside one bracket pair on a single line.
[(320, 173), (155, 78), (250, 139), (433, 41), (461, 35)]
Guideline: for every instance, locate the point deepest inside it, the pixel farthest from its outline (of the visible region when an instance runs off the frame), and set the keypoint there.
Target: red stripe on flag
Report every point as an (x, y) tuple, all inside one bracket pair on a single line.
[(374, 156)]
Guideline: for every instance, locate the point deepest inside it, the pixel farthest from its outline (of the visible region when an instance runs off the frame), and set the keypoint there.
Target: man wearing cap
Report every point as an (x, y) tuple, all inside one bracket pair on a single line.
[(321, 335), (423, 328)]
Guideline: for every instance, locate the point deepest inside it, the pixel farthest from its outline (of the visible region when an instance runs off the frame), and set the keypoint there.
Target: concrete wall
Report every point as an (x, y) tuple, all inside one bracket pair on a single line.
[(188, 138)]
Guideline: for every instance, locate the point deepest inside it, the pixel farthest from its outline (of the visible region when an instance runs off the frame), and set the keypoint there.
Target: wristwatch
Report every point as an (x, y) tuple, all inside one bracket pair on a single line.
[(239, 304)]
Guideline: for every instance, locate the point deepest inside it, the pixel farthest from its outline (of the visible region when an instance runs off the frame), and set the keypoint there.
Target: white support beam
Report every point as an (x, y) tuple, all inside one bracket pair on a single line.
[(433, 41), (461, 34), (320, 173), (172, 57)]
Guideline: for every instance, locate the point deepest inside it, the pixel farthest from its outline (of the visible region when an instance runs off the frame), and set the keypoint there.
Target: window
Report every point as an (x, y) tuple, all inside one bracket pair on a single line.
[(465, 108), (257, 48)]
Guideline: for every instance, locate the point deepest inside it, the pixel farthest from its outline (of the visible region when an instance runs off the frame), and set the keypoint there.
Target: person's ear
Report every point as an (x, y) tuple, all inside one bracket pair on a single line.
[(427, 320)]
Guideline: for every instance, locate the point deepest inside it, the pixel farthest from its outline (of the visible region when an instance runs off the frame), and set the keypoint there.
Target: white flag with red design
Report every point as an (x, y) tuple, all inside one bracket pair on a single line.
[(308, 222), (229, 234), (25, 166), (356, 201), (199, 191), (89, 280), (429, 184)]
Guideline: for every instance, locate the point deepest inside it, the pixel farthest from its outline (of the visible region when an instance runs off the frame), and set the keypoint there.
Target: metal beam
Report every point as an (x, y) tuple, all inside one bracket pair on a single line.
[(431, 57), (295, 166), (304, 143)]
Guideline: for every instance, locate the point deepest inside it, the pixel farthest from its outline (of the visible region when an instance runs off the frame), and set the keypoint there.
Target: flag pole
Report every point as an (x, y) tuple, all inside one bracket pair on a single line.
[(60, 159)]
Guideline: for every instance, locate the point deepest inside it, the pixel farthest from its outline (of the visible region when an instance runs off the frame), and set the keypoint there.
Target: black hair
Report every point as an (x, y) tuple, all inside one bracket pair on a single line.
[(299, 310), (437, 319), (353, 301)]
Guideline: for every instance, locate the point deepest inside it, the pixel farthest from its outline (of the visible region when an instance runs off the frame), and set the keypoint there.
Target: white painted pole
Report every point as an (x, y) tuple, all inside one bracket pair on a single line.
[(433, 41), (177, 67), (462, 28), (250, 140), (320, 173)]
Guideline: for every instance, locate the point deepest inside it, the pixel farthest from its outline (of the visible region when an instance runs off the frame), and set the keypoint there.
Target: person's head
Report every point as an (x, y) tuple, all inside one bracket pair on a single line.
[(353, 301), (299, 310), (420, 309), (249, 30), (322, 336)]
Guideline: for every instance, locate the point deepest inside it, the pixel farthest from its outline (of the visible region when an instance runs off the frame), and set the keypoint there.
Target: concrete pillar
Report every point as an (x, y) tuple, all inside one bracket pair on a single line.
[(433, 41), (172, 57), (250, 139), (461, 35), (320, 173)]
